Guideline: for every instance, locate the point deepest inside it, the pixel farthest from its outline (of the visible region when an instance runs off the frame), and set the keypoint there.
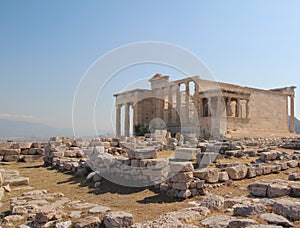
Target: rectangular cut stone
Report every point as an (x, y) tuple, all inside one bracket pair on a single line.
[(10, 152), (269, 155), (210, 175), (267, 169), (32, 158), (135, 162), (185, 153), (205, 159), (181, 185), (259, 171), (258, 189), (22, 145), (5, 145), (292, 163), (17, 181), (158, 163), (251, 172), (181, 166), (182, 177), (9, 158), (295, 189), (145, 153)]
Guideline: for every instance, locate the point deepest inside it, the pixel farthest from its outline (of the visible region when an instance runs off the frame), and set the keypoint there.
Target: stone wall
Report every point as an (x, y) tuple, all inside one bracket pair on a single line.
[(22, 151)]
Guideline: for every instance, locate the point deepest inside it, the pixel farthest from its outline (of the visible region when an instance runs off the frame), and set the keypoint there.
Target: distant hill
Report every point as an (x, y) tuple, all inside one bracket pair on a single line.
[(14, 128), (297, 125), (27, 130)]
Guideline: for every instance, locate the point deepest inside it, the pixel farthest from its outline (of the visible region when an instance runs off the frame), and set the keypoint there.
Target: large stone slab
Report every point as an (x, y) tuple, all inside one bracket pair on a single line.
[(176, 166), (269, 155), (258, 189), (118, 219), (272, 218), (17, 181), (210, 175), (212, 201), (221, 221), (287, 208), (185, 153), (89, 221), (142, 153), (278, 190), (237, 172), (182, 177), (246, 210), (10, 152)]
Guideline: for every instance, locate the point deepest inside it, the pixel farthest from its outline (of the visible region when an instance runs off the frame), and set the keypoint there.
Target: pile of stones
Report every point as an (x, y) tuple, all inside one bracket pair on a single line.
[(181, 182), (139, 168)]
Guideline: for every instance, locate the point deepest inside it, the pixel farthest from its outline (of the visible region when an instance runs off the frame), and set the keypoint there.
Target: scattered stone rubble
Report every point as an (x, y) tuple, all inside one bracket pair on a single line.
[(192, 171), (10, 178), (134, 160), (39, 208)]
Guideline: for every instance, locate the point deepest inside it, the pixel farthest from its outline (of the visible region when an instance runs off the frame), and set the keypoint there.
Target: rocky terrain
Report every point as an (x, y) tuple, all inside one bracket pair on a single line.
[(173, 182)]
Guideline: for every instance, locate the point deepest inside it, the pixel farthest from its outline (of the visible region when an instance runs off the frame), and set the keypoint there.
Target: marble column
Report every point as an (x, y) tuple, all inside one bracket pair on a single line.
[(221, 107), (178, 103), (157, 103), (135, 114), (238, 108), (228, 107), (200, 108), (187, 102), (196, 100), (292, 113), (118, 120), (209, 104), (247, 108), (127, 119), (170, 105), (161, 104)]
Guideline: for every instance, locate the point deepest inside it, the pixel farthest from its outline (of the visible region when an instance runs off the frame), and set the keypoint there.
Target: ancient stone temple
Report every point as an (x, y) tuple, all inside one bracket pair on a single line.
[(207, 109)]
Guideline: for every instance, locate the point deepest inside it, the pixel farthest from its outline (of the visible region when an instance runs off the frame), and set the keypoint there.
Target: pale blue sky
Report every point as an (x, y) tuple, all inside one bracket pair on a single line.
[(46, 46)]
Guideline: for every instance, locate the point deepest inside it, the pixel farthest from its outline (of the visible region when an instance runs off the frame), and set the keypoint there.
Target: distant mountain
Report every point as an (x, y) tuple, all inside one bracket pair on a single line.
[(27, 130), (14, 128), (297, 125)]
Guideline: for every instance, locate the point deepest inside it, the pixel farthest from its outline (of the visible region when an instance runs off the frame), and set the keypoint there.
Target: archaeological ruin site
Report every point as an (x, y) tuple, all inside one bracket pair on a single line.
[(187, 153)]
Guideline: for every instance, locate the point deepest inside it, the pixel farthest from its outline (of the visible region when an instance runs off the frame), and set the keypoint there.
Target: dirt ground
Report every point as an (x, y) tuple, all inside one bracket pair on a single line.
[(143, 203)]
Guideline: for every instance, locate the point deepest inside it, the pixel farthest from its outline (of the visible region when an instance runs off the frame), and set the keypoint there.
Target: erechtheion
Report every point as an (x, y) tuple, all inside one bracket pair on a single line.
[(207, 108)]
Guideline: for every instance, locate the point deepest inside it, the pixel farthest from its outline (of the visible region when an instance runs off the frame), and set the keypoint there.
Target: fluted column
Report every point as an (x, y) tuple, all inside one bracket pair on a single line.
[(292, 112), (127, 119), (118, 120)]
